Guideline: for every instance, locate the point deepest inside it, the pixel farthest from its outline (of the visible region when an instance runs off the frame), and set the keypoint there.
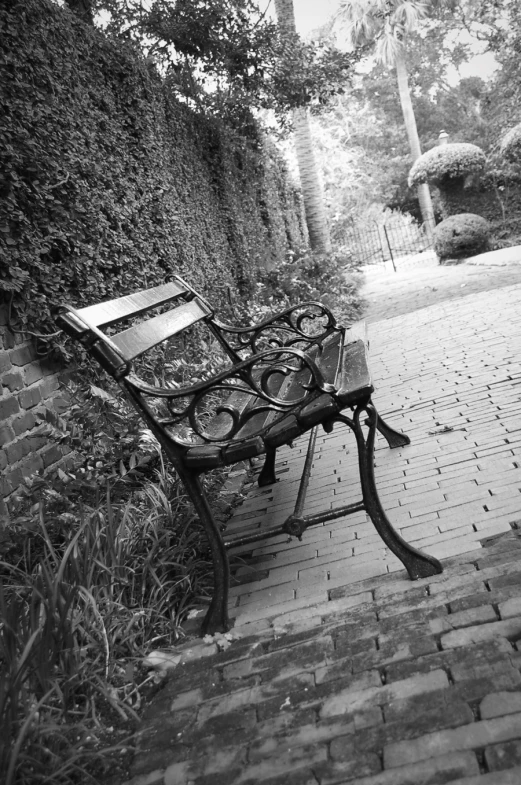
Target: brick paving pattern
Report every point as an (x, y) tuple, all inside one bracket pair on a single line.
[(342, 670), (392, 294), (389, 683)]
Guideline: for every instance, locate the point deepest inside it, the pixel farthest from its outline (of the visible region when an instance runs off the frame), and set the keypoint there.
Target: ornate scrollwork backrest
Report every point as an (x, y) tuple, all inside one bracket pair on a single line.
[(299, 326)]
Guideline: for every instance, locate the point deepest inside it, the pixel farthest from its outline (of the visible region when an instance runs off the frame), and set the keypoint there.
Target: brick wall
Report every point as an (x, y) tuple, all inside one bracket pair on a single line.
[(27, 385)]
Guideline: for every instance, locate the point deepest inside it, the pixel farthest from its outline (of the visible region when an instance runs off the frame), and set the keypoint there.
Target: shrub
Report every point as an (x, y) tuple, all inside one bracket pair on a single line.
[(447, 162), (510, 146), (461, 235), (332, 278)]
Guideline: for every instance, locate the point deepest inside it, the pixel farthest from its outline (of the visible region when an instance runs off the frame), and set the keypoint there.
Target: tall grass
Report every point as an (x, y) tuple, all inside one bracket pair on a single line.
[(79, 609)]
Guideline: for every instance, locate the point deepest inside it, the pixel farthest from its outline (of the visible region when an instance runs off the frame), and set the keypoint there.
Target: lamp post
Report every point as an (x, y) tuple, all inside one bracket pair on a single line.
[(443, 138)]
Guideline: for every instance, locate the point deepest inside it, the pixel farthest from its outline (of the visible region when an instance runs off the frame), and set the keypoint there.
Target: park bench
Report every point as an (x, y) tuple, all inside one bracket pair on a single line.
[(283, 377)]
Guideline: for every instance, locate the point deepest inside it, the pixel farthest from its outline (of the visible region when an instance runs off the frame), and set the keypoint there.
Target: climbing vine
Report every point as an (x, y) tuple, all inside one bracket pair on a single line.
[(108, 184)]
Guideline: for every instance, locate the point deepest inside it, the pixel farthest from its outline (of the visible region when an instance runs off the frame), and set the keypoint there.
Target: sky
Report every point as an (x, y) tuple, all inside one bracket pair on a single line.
[(310, 14)]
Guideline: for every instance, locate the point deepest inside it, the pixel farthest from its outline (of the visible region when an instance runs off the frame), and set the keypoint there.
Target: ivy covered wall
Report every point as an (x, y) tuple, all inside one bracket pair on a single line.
[(107, 184)]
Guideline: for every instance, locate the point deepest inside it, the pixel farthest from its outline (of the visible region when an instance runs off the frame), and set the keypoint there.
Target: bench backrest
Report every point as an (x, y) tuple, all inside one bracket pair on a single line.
[(116, 351), (266, 379)]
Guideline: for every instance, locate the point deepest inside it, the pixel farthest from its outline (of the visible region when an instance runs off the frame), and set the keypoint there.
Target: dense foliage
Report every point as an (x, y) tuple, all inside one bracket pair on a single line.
[(108, 184), (496, 26), (92, 577), (225, 57), (447, 162), (332, 279), (460, 236), (477, 109)]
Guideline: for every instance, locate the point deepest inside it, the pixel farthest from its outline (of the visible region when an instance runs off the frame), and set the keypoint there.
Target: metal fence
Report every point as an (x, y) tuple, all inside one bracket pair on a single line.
[(380, 242)]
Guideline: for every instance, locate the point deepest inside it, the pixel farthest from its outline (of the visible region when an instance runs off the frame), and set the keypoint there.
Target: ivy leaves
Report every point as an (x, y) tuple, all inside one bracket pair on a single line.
[(108, 184)]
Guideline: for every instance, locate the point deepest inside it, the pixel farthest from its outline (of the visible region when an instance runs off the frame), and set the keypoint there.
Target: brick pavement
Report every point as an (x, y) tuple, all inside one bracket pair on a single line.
[(390, 682), (342, 670), (425, 283)]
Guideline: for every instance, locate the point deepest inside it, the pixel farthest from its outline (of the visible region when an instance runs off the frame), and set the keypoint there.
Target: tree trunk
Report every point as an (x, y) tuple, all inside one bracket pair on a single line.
[(309, 180), (424, 196)]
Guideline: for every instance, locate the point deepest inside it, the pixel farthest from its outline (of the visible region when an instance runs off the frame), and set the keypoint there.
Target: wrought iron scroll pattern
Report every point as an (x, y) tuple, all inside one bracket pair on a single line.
[(293, 327), (216, 411)]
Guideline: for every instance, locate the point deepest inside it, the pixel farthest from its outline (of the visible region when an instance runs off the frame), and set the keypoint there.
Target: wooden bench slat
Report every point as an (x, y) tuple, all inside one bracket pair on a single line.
[(243, 402), (107, 313), (355, 378), (357, 332), (138, 339), (326, 357), (352, 382)]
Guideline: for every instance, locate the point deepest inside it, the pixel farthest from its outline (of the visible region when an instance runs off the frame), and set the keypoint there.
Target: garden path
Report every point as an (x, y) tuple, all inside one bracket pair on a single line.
[(340, 670), (420, 281)]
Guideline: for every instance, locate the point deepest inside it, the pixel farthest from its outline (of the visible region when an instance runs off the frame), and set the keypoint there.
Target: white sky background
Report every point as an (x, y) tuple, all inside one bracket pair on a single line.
[(310, 14)]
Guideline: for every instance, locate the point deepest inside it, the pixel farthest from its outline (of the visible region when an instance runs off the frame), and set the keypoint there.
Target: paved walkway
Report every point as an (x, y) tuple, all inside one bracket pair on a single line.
[(426, 283), (340, 670)]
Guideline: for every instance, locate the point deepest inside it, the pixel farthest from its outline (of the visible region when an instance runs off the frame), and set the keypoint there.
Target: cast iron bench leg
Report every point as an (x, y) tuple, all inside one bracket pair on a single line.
[(216, 619), (417, 564), (392, 437), (267, 475)]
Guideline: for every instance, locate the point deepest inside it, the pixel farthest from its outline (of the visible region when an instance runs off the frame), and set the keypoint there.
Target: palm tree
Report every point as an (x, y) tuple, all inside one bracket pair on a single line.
[(311, 189), (387, 23)]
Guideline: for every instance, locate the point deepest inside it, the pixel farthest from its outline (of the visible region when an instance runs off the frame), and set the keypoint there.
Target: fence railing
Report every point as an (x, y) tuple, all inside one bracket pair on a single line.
[(378, 243)]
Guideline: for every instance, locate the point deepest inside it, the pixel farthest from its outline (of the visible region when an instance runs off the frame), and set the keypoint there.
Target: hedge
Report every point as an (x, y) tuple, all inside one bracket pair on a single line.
[(461, 235), (447, 162), (109, 184)]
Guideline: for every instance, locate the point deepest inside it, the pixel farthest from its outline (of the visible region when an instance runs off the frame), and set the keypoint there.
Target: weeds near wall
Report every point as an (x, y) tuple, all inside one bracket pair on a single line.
[(100, 562), (84, 597), (333, 279)]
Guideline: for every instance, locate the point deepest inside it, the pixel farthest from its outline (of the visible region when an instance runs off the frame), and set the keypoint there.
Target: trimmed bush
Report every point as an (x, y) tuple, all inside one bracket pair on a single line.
[(448, 162), (460, 236), (510, 146)]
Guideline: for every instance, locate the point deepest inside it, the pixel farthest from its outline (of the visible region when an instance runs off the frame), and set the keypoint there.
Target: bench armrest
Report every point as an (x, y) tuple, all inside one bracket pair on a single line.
[(301, 326), (216, 410)]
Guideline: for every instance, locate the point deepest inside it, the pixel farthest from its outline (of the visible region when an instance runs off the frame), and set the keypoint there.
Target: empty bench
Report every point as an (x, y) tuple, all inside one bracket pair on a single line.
[(284, 377)]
